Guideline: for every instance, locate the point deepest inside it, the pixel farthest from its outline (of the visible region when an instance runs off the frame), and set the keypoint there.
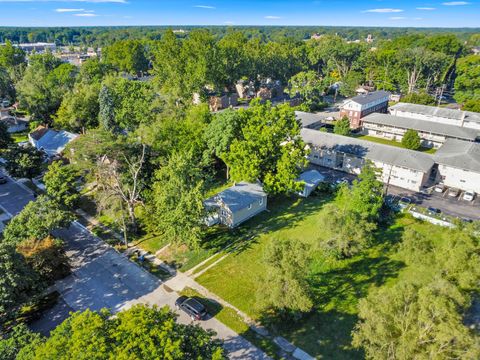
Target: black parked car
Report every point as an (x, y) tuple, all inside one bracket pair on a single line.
[(3, 179), (433, 210), (192, 307)]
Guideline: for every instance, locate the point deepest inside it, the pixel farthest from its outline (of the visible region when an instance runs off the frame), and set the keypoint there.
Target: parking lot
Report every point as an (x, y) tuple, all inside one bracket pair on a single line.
[(452, 206)]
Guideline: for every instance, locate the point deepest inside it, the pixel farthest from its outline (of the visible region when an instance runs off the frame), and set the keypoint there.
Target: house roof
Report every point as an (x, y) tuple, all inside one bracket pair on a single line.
[(51, 141), (423, 126), (38, 133), (238, 197), (361, 148), (370, 97), (308, 119), (311, 178), (437, 111), (11, 121), (459, 154)]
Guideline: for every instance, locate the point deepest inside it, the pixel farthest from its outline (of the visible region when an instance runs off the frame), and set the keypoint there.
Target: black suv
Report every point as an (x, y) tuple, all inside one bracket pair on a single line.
[(192, 307)]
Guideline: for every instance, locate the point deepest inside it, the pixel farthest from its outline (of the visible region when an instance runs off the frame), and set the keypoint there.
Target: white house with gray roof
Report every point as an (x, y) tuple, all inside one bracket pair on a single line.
[(310, 180), (237, 204), (438, 115), (459, 164), (400, 167), (431, 134)]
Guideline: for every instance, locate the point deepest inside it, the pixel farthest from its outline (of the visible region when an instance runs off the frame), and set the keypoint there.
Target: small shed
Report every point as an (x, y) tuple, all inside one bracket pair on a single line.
[(311, 179)]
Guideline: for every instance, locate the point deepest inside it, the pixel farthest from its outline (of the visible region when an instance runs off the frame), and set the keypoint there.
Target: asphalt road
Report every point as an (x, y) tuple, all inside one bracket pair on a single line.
[(13, 197)]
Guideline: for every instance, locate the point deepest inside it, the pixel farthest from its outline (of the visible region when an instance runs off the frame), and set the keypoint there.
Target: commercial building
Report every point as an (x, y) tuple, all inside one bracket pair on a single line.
[(459, 165), (360, 106), (400, 167), (432, 134), (437, 115)]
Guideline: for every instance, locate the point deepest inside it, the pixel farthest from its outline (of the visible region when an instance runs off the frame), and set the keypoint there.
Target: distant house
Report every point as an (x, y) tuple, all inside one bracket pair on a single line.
[(310, 120), (311, 179), (50, 141), (14, 124), (237, 204), (360, 106)]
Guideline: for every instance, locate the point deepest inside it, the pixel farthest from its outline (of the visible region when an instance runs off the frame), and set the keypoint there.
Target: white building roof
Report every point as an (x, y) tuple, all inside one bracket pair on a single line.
[(459, 154), (437, 112)]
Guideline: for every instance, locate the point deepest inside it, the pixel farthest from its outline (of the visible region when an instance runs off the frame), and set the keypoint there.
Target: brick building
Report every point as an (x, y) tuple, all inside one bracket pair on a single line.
[(360, 106)]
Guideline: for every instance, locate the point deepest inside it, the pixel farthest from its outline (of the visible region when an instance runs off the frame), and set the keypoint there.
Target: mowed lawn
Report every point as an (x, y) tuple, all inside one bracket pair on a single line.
[(337, 285)]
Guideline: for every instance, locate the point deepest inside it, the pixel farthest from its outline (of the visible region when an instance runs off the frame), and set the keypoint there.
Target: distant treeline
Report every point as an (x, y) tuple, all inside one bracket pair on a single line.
[(102, 36)]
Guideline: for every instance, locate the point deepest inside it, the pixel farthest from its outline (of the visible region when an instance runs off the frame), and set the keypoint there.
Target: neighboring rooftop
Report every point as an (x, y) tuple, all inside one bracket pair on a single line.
[(51, 141), (387, 154), (311, 178), (238, 197), (370, 97), (309, 120), (38, 133), (459, 154), (437, 111), (423, 126)]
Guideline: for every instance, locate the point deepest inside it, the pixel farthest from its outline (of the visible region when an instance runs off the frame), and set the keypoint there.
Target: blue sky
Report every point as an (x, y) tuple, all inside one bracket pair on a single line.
[(419, 13)]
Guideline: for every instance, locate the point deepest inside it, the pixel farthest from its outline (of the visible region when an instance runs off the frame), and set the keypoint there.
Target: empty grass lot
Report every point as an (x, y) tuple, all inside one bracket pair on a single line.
[(337, 285), (391, 143)]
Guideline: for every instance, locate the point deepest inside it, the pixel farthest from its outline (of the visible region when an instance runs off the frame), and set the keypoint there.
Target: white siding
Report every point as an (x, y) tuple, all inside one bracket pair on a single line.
[(458, 178)]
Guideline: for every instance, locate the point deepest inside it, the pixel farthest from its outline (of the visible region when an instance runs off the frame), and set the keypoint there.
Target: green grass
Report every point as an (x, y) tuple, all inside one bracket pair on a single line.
[(391, 143), (20, 137), (230, 318), (337, 285), (209, 262)]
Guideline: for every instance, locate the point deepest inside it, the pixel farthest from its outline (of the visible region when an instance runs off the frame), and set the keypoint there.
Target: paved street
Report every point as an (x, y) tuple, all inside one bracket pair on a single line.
[(101, 277), (14, 197)]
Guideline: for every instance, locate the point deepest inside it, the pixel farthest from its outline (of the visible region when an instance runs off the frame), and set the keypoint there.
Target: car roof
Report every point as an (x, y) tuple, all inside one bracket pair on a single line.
[(195, 304)]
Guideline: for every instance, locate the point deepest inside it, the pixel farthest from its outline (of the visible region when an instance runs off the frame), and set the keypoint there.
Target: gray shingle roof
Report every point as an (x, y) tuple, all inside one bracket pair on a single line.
[(311, 178), (437, 111), (238, 197), (370, 97), (387, 154), (423, 126), (308, 119), (459, 154), (54, 142)]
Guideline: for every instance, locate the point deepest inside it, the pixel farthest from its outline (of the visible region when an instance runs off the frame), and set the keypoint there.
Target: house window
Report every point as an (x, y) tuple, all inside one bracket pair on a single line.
[(224, 213), (250, 207), (260, 202)]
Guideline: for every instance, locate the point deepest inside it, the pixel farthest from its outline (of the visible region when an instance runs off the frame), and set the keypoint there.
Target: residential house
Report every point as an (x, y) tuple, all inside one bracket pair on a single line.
[(438, 115), (459, 164), (237, 204), (311, 179), (360, 106), (14, 124), (51, 142), (310, 120), (432, 134), (400, 167)]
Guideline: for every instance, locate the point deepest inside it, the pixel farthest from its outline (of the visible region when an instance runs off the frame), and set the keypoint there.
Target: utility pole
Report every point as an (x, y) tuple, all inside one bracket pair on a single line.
[(442, 89)]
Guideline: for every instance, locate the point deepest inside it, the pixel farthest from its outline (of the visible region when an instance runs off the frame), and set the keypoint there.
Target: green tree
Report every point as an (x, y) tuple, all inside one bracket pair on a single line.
[(128, 56), (366, 195), (309, 86), (342, 126), (407, 321), (467, 82), (36, 221), (140, 332), (177, 210), (106, 114), (7, 89), (421, 98), (472, 105), (411, 140), (5, 138), (60, 182), (79, 108), (24, 162), (11, 56), (18, 338), (17, 283), (270, 149), (284, 289)]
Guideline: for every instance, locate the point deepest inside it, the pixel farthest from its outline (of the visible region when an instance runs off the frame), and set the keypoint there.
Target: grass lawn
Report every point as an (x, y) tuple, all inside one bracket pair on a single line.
[(391, 143), (337, 285), (20, 137)]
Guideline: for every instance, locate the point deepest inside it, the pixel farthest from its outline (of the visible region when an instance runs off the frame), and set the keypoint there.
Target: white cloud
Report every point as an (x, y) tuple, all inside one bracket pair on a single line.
[(205, 7), (387, 10), (69, 10), (397, 18), (426, 8), (455, 3), (85, 15), (272, 17)]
